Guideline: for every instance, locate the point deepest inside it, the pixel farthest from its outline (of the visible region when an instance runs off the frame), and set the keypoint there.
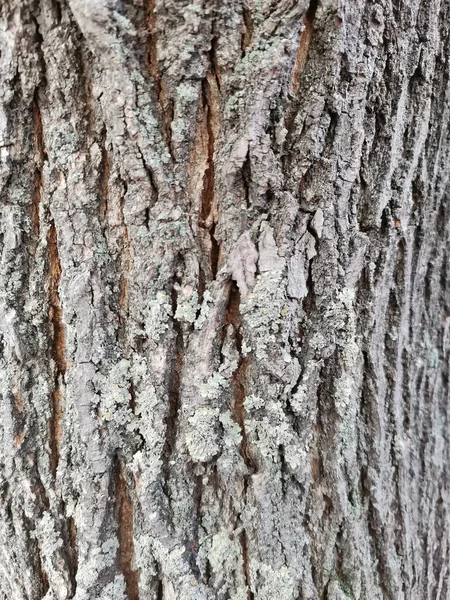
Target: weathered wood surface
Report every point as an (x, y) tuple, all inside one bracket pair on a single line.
[(224, 302)]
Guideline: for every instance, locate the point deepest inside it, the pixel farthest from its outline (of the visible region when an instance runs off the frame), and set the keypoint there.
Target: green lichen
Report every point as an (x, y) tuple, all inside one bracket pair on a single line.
[(114, 395), (188, 309), (224, 553), (232, 430), (115, 590), (204, 310), (275, 583), (157, 316), (264, 311), (213, 386), (253, 403), (241, 593), (202, 435), (270, 428)]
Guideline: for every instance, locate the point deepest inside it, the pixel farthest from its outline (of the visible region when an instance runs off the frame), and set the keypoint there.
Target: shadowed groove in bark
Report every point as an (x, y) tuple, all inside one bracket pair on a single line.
[(233, 317), (43, 577), (303, 47), (73, 551), (39, 157), (207, 219), (246, 563), (58, 345), (300, 60), (125, 265), (124, 508), (174, 382), (103, 184), (247, 24), (18, 439), (165, 103), (160, 591)]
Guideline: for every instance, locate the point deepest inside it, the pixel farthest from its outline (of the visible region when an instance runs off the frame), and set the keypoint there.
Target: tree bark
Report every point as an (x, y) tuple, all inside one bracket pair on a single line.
[(224, 302)]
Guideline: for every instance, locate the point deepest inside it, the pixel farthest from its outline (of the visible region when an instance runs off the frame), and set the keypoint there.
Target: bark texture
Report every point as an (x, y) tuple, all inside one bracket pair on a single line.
[(224, 301)]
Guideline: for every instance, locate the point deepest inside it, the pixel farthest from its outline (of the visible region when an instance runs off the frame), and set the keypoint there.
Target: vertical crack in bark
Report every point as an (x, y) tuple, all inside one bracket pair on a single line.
[(165, 102), (58, 345), (160, 591), (300, 62), (43, 577), (103, 184), (247, 33), (72, 552), (214, 67), (152, 40), (124, 508), (303, 47), (126, 265), (39, 158), (174, 394), (211, 113), (246, 182), (207, 220), (246, 563), (233, 317)]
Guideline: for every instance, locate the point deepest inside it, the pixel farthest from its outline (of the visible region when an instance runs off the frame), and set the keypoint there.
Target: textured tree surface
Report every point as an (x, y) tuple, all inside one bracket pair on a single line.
[(224, 302)]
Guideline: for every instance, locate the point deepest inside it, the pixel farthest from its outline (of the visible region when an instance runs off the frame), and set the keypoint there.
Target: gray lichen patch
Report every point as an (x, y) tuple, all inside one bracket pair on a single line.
[(202, 437)]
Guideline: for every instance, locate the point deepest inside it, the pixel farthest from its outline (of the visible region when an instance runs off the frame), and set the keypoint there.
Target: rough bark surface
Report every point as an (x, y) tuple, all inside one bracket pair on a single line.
[(224, 301)]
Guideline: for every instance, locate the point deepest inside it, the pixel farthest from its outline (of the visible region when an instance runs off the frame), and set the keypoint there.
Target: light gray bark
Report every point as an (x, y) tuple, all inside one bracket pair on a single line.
[(224, 302)]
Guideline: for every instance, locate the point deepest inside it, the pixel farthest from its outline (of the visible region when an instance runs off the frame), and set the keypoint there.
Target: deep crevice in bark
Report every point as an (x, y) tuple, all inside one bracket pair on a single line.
[(247, 22), (103, 185), (174, 382), (165, 102), (40, 157), (73, 552), (210, 100), (126, 266), (233, 317), (300, 63), (58, 345), (124, 511), (303, 46), (43, 577), (246, 563)]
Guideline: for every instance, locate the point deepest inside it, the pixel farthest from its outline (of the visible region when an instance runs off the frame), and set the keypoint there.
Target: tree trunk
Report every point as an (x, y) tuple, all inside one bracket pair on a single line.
[(225, 320)]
